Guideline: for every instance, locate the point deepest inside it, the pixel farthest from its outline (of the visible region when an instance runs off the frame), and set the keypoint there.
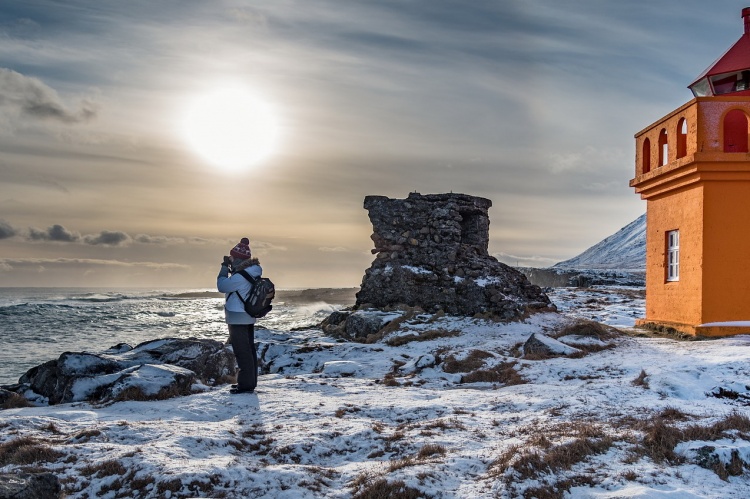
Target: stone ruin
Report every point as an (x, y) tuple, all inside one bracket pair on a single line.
[(432, 253)]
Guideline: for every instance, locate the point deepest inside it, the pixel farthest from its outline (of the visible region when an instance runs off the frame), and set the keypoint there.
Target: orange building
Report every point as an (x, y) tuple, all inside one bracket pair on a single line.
[(693, 169)]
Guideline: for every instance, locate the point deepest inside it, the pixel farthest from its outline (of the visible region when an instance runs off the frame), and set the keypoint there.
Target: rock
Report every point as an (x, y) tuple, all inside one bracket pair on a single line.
[(29, 486), (278, 357), (340, 368), (725, 457), (146, 382), (442, 262), (210, 360), (356, 325), (418, 364), (539, 345), (361, 323), (335, 324), (154, 369)]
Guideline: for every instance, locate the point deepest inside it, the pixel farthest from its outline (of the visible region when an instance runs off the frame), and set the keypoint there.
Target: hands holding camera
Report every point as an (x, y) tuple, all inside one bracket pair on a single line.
[(227, 262)]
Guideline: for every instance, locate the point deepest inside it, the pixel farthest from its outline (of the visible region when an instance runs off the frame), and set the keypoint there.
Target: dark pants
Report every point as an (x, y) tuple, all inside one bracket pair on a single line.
[(242, 337)]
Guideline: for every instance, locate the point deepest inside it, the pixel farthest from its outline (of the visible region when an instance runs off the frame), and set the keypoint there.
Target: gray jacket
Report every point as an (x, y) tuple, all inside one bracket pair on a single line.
[(234, 309)]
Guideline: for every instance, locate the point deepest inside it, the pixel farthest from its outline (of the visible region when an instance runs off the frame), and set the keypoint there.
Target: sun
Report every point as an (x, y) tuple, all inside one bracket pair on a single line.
[(231, 128)]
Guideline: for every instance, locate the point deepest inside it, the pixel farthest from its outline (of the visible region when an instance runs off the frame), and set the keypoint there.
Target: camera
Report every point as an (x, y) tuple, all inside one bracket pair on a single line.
[(228, 262)]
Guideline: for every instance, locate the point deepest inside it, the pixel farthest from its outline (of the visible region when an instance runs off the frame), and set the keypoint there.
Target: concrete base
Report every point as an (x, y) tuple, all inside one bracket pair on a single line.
[(706, 330)]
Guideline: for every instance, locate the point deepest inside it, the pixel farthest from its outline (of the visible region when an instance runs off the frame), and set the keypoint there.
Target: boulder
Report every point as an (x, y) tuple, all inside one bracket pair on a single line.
[(154, 369), (539, 345), (357, 325), (363, 323), (29, 486)]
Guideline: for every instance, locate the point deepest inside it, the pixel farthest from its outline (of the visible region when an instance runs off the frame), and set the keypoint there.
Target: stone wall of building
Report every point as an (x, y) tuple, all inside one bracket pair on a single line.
[(431, 252)]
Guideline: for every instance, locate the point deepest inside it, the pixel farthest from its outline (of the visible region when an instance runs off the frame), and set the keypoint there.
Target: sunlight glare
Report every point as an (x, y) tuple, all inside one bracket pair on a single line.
[(231, 128)]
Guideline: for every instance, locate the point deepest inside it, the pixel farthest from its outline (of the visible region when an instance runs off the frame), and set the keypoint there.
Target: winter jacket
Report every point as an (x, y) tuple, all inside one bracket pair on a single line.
[(234, 309)]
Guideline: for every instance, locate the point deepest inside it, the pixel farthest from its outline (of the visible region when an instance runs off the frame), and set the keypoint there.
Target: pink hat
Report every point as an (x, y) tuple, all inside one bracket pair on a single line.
[(242, 250)]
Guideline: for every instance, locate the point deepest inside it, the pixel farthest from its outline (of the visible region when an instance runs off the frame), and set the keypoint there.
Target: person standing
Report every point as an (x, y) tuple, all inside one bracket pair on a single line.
[(241, 325)]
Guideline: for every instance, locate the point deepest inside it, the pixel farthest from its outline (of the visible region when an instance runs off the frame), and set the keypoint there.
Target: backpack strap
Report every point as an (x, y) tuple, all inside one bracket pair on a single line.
[(253, 281), (247, 276)]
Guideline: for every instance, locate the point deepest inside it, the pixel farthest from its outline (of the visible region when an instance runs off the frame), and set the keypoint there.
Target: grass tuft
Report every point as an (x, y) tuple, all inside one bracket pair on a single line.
[(473, 361), (422, 336), (15, 401), (641, 380), (430, 450), (383, 489), (504, 373), (26, 451)]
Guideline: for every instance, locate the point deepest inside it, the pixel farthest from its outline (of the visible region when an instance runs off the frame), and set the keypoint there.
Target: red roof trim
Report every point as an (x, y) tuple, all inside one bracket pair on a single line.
[(736, 58)]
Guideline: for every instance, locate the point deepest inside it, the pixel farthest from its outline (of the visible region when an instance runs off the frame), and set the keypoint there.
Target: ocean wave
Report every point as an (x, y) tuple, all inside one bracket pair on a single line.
[(26, 308)]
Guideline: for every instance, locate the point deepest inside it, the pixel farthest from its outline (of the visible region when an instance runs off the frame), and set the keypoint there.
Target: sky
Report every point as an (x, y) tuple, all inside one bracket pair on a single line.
[(112, 173)]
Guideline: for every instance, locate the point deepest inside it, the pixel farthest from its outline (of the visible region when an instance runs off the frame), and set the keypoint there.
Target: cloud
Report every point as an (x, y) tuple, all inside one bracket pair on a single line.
[(32, 98), (6, 230), (55, 233), (162, 240), (43, 264), (586, 160), (265, 247), (107, 238)]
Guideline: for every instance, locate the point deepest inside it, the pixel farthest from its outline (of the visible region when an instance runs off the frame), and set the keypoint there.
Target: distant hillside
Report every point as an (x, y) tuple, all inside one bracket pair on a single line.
[(624, 250)]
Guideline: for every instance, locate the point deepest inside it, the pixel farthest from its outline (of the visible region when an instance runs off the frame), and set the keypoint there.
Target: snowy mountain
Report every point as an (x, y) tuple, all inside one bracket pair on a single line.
[(624, 250)]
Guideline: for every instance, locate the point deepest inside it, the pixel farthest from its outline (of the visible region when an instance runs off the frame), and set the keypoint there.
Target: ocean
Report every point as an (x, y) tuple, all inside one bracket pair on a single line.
[(39, 324)]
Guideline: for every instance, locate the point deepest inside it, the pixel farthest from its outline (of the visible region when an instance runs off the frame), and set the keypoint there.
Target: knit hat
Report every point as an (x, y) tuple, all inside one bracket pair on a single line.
[(242, 250)]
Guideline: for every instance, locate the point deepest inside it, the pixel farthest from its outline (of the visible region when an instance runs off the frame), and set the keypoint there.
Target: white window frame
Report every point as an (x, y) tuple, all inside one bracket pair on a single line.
[(673, 255)]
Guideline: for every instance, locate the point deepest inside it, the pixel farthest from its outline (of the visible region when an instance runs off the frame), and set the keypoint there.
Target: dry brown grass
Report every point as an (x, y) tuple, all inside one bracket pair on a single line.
[(348, 408), (429, 335), (445, 424), (383, 489), (84, 436), (135, 393), (16, 401), (539, 456), (430, 450), (109, 467), (474, 360), (504, 373), (27, 451), (591, 329), (673, 414), (641, 380), (557, 490), (660, 439)]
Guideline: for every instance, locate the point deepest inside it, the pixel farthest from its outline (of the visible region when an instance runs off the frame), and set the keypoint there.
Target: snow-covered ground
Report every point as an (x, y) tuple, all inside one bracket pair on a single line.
[(443, 407)]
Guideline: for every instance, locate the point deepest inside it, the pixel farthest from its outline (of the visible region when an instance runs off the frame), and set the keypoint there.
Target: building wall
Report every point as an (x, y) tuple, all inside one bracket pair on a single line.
[(726, 267), (703, 190), (680, 301)]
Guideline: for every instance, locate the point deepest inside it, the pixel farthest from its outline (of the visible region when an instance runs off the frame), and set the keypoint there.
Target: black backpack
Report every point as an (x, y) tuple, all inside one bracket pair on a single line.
[(258, 302)]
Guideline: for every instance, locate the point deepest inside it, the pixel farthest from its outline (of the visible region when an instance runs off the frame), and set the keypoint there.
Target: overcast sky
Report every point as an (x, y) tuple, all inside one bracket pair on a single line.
[(530, 103)]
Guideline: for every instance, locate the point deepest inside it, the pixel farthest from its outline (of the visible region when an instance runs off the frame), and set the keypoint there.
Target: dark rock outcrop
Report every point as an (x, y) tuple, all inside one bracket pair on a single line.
[(356, 325), (152, 370), (432, 253), (29, 486)]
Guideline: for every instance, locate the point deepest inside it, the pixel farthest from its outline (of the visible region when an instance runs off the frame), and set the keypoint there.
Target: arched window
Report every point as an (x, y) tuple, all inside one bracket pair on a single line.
[(681, 138), (735, 131), (663, 147), (646, 156)]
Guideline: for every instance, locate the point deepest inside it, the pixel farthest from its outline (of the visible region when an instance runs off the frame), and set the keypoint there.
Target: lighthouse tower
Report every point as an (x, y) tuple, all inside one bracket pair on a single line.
[(693, 169)]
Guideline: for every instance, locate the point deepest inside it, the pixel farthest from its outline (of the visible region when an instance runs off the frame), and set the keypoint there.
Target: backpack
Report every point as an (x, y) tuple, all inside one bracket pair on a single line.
[(258, 302)]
